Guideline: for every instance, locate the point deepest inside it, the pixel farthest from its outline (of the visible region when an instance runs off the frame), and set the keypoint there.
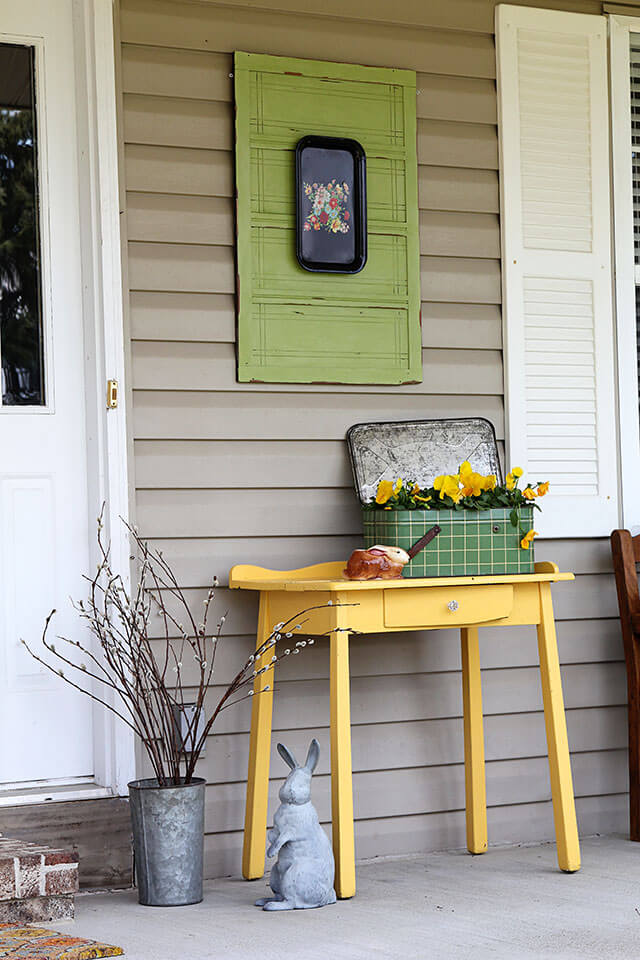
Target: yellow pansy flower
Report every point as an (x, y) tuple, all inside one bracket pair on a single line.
[(397, 487), (385, 491), (513, 476), (473, 485), (529, 493), (527, 539), (543, 488), (453, 488), (449, 486), (490, 481)]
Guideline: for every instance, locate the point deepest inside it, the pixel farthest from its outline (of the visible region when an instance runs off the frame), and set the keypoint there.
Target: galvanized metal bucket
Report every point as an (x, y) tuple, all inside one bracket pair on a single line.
[(168, 841)]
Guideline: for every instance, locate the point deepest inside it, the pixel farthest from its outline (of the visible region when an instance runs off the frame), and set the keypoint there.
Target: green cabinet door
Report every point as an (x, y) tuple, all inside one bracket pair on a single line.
[(300, 327)]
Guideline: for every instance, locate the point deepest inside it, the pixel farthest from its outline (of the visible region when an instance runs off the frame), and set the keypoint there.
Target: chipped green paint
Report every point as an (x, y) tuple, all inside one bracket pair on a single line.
[(300, 327)]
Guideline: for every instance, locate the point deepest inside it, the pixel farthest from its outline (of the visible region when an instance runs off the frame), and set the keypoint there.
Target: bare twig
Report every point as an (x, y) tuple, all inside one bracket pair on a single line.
[(152, 685)]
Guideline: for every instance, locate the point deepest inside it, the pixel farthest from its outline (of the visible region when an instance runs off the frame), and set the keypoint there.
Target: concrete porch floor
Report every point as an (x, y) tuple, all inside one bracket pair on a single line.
[(510, 903)]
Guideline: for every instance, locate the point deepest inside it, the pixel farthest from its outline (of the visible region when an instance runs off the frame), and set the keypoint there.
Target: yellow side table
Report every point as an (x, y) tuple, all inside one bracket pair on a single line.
[(379, 606)]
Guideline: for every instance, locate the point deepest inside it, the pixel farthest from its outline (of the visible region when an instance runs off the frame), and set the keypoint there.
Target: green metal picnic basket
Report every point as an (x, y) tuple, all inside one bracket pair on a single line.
[(470, 542)]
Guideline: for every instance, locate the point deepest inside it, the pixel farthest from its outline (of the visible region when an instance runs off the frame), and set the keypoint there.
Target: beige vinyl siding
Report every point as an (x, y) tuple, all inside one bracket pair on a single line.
[(229, 473)]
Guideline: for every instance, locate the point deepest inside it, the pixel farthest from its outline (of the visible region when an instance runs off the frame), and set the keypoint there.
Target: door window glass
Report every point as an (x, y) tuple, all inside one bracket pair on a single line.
[(21, 337)]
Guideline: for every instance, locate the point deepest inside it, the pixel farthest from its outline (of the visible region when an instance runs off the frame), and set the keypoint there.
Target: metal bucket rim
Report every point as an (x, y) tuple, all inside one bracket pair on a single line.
[(151, 783)]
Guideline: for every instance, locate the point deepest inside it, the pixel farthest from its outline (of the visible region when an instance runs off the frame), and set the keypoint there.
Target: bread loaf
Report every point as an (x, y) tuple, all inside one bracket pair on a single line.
[(376, 563)]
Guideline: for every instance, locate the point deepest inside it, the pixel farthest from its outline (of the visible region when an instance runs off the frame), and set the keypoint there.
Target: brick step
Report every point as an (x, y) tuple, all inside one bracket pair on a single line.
[(37, 882)]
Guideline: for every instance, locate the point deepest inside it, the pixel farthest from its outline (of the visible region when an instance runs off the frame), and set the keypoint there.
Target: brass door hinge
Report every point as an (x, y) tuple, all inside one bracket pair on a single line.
[(112, 394)]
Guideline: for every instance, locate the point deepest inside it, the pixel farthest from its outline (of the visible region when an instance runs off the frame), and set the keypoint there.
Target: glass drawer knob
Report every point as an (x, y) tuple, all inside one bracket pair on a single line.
[(453, 605)]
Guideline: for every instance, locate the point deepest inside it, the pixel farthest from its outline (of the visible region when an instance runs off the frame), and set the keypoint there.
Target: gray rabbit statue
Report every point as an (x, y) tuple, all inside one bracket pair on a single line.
[(302, 876)]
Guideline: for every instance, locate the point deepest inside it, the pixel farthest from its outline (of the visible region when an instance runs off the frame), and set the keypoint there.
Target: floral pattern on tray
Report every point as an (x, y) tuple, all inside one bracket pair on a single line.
[(328, 207)]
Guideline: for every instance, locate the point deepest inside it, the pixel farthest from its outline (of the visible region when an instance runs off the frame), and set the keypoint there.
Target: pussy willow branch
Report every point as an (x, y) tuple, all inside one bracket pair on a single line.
[(70, 682), (248, 672), (160, 698), (146, 672)]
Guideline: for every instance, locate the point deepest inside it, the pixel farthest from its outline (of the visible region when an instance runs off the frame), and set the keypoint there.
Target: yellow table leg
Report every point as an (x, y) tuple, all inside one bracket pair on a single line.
[(474, 775), (564, 810), (255, 821), (341, 780)]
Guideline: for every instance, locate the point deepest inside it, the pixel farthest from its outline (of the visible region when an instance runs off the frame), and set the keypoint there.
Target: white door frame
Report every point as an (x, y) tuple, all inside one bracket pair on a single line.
[(114, 744), (629, 420)]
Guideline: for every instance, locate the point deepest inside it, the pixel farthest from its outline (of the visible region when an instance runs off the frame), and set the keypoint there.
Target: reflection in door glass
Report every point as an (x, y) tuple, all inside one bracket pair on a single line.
[(20, 294)]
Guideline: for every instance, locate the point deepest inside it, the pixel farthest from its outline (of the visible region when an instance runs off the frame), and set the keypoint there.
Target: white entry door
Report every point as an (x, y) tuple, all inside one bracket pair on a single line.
[(45, 726)]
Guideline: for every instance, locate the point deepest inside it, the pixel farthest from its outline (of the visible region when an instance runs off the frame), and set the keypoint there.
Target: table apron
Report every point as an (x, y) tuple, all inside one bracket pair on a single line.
[(380, 611)]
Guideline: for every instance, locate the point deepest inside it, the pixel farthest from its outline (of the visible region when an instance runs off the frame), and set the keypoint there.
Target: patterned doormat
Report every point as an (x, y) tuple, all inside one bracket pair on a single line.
[(18, 942)]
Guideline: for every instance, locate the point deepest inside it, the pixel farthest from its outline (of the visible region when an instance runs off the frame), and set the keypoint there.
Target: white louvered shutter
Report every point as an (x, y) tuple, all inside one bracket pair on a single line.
[(556, 256)]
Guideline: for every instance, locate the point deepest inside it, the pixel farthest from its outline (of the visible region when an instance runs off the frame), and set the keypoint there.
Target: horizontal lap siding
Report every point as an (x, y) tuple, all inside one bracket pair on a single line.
[(229, 472)]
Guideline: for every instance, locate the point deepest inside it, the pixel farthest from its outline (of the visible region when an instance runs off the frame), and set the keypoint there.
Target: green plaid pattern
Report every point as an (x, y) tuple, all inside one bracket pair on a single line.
[(470, 542)]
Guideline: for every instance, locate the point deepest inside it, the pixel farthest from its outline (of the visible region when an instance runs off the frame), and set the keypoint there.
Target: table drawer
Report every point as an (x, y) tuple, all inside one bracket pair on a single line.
[(447, 606)]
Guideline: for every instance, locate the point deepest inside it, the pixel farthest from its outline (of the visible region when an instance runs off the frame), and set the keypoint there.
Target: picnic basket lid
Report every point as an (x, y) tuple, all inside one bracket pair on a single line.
[(419, 450)]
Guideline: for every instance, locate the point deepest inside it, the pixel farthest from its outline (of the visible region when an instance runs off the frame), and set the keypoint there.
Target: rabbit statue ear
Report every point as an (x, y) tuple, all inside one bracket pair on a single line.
[(287, 756), (312, 757)]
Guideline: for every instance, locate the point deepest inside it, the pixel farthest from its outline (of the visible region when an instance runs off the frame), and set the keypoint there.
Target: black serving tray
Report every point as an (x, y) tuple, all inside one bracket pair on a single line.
[(331, 237), (419, 450)]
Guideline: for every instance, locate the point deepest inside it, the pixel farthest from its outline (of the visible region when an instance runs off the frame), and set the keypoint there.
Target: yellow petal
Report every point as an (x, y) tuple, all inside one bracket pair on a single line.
[(385, 491), (397, 486), (517, 471), (452, 488), (476, 482)]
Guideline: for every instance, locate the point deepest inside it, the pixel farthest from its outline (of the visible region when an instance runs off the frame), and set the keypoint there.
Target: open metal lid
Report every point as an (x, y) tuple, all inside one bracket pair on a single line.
[(419, 450)]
